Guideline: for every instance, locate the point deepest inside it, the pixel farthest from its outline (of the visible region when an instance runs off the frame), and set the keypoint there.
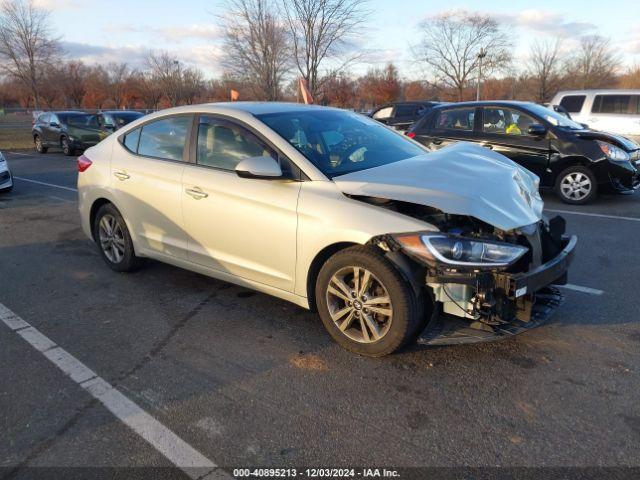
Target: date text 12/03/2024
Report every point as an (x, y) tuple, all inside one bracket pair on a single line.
[(316, 473)]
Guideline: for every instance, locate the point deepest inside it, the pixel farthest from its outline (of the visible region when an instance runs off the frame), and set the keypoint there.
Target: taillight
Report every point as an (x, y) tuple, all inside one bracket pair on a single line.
[(411, 134), (83, 163)]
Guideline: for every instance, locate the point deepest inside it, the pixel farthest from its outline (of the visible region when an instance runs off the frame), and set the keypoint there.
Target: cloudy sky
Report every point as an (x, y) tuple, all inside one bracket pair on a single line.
[(99, 31)]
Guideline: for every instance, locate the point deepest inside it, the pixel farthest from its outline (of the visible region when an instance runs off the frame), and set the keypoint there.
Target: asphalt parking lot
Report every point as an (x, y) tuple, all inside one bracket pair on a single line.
[(247, 380)]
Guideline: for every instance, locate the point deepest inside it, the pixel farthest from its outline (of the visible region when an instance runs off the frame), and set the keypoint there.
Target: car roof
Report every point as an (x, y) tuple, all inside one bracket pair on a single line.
[(596, 91), (502, 103), (262, 108), (121, 111)]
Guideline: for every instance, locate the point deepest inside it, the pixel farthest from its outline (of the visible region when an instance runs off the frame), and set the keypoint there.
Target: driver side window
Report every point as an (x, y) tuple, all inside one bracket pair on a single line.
[(223, 144)]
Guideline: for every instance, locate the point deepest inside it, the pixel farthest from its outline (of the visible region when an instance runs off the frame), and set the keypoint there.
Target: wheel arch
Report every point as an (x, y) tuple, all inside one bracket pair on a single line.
[(95, 206), (566, 162), (316, 264)]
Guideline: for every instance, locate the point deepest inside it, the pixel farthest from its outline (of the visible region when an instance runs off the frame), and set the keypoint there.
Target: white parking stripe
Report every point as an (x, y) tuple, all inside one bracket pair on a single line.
[(23, 154), (586, 214), (46, 184), (579, 288), (176, 450)]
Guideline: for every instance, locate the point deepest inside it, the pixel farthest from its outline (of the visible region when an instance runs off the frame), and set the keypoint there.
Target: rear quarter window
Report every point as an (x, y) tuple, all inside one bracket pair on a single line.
[(573, 103), (130, 140)]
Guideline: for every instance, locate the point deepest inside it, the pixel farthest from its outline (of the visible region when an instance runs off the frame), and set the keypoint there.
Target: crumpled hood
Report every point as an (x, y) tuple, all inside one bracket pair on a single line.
[(462, 179)]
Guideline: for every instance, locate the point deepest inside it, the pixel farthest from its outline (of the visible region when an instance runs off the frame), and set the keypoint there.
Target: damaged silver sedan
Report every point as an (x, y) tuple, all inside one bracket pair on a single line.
[(330, 210)]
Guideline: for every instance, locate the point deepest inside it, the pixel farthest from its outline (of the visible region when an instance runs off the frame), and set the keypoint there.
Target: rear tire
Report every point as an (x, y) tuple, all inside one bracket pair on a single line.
[(40, 148), (576, 185), (114, 241), (67, 149), (365, 304)]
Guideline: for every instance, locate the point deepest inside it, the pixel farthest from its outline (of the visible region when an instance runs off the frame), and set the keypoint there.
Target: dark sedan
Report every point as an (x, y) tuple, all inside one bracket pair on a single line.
[(573, 160)]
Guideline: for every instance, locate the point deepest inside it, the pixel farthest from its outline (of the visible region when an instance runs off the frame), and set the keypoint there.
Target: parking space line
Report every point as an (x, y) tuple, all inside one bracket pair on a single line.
[(580, 288), (23, 154), (176, 450), (600, 215), (46, 184)]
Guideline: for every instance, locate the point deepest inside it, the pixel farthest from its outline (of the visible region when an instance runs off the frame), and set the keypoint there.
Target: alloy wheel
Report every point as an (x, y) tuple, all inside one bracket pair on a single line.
[(359, 304), (576, 186), (111, 238), (38, 144)]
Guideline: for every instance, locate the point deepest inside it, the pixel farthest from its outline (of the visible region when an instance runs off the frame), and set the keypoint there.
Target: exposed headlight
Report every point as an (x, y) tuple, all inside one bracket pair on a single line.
[(613, 153), (461, 251)]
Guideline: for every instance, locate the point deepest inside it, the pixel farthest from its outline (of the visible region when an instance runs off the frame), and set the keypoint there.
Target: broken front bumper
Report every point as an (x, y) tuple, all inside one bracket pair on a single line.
[(531, 291)]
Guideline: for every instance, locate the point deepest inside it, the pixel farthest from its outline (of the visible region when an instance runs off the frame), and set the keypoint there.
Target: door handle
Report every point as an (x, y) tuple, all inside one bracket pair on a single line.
[(487, 145), (436, 141), (196, 193), (122, 176)]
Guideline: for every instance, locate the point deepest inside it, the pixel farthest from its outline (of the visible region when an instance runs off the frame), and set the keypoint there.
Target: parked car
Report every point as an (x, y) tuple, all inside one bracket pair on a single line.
[(110, 121), (615, 111), (328, 209), (6, 180), (401, 115), (575, 161), (70, 131)]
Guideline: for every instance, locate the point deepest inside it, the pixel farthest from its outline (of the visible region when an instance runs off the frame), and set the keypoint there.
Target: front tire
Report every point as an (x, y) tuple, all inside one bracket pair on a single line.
[(40, 148), (114, 241), (576, 185), (364, 302), (67, 149)]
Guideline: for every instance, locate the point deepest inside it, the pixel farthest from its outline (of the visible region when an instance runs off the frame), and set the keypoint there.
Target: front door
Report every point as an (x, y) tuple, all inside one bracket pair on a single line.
[(505, 131), (242, 226), (146, 178)]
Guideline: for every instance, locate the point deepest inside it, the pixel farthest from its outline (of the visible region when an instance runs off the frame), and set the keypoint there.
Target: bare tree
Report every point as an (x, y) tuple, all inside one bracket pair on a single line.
[(256, 45), (177, 82), (594, 65), (27, 46), (323, 30), (544, 68), (117, 73), (451, 45)]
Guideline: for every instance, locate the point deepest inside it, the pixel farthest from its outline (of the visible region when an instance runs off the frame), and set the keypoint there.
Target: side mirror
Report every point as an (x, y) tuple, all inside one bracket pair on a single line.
[(54, 125), (265, 168), (537, 130), (584, 125)]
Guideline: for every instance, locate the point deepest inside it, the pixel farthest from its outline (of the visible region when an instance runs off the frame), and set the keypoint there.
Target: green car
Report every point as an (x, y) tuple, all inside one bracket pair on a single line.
[(74, 131)]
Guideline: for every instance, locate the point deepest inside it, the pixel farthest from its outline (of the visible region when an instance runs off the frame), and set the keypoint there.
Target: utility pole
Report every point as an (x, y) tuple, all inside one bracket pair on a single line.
[(481, 55)]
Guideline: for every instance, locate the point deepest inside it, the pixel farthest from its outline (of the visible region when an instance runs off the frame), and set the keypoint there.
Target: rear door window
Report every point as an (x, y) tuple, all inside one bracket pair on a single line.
[(405, 111), (166, 138), (455, 119), (616, 104), (573, 103)]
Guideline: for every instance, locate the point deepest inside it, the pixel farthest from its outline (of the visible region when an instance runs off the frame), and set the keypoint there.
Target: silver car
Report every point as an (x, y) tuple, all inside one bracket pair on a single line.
[(332, 211), (6, 180)]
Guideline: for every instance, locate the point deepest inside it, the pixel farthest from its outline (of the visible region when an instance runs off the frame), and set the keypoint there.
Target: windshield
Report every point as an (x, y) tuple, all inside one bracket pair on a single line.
[(339, 142), (80, 120), (553, 117)]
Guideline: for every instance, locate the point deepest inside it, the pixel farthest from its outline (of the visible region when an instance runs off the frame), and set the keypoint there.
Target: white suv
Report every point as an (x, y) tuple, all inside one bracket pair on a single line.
[(615, 111)]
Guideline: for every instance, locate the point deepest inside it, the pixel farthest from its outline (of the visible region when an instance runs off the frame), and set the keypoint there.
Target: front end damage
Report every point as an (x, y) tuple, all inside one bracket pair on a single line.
[(483, 283)]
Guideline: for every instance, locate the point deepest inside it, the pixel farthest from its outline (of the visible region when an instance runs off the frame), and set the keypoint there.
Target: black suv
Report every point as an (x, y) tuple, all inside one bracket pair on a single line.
[(575, 161), (70, 131), (401, 115)]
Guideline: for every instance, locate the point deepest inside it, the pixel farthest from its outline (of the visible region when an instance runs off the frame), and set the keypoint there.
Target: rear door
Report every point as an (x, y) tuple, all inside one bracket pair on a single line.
[(504, 130), (53, 130), (147, 167), (615, 113), (245, 227), (446, 126)]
